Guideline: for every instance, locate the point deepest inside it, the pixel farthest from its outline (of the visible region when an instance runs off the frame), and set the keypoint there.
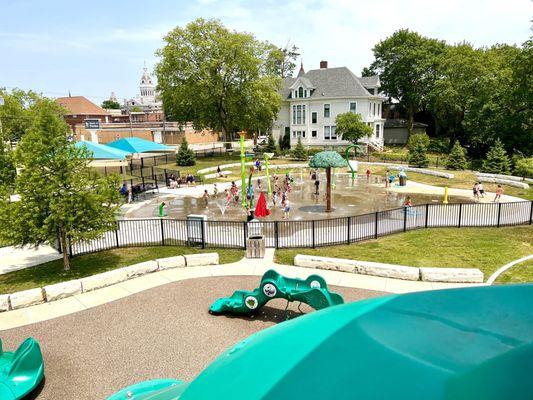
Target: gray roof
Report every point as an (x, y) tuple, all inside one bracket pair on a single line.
[(402, 123), (369, 80), (329, 82)]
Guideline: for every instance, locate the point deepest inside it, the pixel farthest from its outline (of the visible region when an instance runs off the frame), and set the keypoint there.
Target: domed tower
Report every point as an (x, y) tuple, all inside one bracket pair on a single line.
[(147, 87)]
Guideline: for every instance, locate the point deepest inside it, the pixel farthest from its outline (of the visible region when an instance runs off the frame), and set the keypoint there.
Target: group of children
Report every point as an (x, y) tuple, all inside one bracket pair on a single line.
[(479, 192)]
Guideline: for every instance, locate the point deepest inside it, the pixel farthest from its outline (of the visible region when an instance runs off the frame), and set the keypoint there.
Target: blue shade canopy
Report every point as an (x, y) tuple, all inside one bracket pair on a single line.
[(136, 145), (102, 152), (471, 343)]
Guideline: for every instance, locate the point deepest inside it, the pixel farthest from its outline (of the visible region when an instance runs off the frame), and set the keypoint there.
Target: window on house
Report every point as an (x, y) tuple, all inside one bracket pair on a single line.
[(369, 108), (353, 107), (327, 132), (294, 134), (303, 134), (303, 114), (377, 130), (300, 92), (374, 109), (326, 110), (379, 109), (298, 115), (313, 133), (314, 117), (287, 130), (293, 115), (333, 133)]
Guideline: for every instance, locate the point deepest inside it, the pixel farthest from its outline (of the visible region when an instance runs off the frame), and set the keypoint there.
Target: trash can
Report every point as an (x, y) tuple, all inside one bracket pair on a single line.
[(255, 243), (403, 180)]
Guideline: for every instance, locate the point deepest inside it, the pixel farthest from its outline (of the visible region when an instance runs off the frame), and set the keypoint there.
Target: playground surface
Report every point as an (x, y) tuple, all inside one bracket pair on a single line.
[(152, 334)]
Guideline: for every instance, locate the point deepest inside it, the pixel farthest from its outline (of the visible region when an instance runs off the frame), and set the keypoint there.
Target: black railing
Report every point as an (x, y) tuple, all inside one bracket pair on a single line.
[(313, 233)]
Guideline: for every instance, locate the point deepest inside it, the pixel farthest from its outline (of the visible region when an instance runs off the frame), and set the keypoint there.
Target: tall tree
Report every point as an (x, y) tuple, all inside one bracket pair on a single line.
[(497, 160), (59, 194), (17, 112), (351, 127), (406, 64), (110, 104), (217, 78)]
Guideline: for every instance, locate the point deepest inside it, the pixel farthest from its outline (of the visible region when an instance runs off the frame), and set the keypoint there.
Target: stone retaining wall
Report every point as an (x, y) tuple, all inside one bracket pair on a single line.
[(61, 290), (508, 182), (455, 275), (507, 177)]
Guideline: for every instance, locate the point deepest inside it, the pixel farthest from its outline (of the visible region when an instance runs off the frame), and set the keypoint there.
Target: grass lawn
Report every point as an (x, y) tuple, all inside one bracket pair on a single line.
[(485, 248), (90, 264), (518, 273)]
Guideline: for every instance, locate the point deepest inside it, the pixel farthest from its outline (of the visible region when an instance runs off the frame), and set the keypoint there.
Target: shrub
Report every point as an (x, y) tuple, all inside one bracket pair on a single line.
[(496, 161), (185, 156), (524, 167), (285, 141), (439, 145), (299, 151), (417, 155), (271, 144), (418, 139), (457, 158)]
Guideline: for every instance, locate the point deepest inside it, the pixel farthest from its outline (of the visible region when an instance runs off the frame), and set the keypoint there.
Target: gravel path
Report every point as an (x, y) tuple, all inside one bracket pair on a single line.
[(162, 332)]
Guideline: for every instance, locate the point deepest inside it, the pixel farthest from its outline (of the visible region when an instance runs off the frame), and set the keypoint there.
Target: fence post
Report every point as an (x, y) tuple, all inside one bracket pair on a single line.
[(404, 218), (116, 232), (460, 212), (313, 244), (531, 213), (276, 239), (376, 225), (427, 216), (499, 214), (163, 232), (245, 232), (202, 224), (349, 228)]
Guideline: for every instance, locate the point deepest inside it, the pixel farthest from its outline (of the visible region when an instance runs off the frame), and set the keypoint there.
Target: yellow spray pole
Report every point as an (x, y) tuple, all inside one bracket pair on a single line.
[(243, 170), (268, 156), (445, 201)]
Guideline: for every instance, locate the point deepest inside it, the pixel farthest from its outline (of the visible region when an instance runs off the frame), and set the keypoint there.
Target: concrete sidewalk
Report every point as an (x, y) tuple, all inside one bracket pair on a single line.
[(244, 267), (16, 258)]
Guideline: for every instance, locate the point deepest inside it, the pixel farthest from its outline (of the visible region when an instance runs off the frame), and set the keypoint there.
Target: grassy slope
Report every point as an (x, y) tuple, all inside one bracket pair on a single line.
[(518, 273), (90, 264), (483, 248)]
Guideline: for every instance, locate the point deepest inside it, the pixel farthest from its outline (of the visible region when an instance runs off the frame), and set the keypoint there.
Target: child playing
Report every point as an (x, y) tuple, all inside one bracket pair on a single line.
[(228, 196), (499, 193), (481, 189), (475, 191), (408, 202), (206, 198), (286, 209), (368, 173), (215, 190)]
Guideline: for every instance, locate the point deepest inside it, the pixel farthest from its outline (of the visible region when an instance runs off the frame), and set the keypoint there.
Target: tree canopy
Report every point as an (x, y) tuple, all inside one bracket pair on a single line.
[(60, 196), (219, 79), (471, 95), (350, 126), (110, 105)]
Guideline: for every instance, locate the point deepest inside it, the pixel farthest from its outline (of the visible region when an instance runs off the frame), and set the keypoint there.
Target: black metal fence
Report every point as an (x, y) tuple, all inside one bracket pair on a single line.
[(314, 233)]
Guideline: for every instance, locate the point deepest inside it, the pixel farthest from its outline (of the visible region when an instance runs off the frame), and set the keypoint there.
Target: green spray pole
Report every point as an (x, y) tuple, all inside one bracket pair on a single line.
[(268, 156), (243, 171)]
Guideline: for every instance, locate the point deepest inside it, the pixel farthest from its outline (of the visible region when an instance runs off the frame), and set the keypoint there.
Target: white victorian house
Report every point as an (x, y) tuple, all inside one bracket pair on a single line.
[(312, 101)]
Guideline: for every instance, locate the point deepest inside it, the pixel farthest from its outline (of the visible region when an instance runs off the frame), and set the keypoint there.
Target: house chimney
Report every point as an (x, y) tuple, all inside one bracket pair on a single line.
[(323, 64)]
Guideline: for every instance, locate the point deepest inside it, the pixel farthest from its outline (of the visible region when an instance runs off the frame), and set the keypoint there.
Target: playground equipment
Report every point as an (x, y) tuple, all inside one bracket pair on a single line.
[(445, 201), (312, 291), (20, 371), (162, 209), (468, 343), (347, 157)]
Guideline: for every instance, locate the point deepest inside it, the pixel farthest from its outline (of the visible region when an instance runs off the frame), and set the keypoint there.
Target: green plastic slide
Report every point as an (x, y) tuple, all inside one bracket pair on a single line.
[(312, 291), (20, 371), (469, 343)]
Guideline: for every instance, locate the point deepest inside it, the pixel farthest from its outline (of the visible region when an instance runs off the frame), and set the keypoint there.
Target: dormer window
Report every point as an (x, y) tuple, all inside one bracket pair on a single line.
[(301, 92)]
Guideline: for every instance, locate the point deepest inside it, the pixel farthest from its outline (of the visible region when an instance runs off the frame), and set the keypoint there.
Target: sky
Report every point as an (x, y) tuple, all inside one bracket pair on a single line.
[(93, 48)]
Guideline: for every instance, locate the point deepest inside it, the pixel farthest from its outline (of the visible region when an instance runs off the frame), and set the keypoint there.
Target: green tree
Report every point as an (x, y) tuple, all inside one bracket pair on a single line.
[(299, 151), (496, 161), (524, 167), (110, 105), (218, 79), (351, 127), (282, 61), (418, 145), (60, 195), (271, 144), (16, 114), (405, 63), (7, 167), (136, 109), (285, 141), (185, 156), (456, 160)]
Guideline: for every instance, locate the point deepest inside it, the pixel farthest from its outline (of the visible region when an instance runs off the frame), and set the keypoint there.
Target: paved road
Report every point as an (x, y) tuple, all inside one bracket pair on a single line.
[(161, 332)]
